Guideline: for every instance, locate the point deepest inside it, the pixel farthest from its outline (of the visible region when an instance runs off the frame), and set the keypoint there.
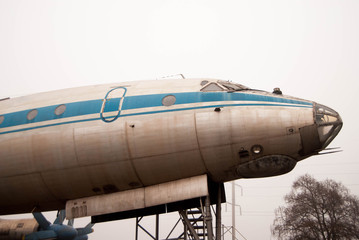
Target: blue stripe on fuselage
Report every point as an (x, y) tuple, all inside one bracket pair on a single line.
[(48, 113), (143, 101)]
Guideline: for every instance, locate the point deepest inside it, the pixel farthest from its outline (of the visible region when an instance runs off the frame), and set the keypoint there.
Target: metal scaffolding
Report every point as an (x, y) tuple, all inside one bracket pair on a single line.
[(197, 222)]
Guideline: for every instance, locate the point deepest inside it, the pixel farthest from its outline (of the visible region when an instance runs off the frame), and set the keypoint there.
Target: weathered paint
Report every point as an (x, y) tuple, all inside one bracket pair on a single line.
[(17, 229), (52, 159), (138, 198)]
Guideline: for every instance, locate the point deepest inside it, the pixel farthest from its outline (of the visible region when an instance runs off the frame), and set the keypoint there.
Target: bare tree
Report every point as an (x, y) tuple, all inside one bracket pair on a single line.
[(318, 210)]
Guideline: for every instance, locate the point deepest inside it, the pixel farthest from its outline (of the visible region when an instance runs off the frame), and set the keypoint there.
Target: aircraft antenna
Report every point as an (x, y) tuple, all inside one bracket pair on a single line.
[(180, 74)]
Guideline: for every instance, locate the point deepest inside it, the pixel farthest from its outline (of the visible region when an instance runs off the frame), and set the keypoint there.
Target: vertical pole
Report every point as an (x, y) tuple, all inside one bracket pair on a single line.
[(209, 219), (219, 213), (136, 228), (223, 232), (233, 211), (157, 226)]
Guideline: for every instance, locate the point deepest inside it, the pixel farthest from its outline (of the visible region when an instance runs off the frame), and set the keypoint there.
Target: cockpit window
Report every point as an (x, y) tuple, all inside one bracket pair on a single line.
[(325, 115), (329, 123), (212, 87), (233, 86), (222, 86), (204, 82)]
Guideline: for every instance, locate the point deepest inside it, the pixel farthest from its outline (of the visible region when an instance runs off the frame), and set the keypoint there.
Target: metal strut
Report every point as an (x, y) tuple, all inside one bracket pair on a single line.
[(138, 225), (197, 222)]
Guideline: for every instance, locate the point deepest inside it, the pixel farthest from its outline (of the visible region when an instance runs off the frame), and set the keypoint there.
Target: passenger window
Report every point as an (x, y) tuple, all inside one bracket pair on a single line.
[(168, 100), (1, 119), (32, 114), (60, 109)]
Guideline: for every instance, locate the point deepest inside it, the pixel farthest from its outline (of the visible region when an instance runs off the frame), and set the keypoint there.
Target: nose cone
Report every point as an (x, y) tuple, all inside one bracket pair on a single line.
[(329, 124)]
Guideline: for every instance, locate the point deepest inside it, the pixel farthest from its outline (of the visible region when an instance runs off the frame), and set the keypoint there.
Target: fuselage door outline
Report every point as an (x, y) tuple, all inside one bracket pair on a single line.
[(112, 103)]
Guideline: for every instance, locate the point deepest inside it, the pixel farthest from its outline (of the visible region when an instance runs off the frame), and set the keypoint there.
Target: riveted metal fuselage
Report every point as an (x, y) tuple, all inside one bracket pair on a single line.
[(112, 138)]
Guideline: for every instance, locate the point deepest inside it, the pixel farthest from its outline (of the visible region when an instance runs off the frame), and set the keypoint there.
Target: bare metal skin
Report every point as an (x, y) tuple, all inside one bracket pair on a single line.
[(90, 141)]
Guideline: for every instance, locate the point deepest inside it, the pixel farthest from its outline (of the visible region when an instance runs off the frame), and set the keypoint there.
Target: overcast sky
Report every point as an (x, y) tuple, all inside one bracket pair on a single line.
[(307, 48)]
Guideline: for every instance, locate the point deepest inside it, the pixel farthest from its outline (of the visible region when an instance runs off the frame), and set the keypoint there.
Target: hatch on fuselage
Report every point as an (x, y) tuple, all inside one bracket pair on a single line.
[(111, 106)]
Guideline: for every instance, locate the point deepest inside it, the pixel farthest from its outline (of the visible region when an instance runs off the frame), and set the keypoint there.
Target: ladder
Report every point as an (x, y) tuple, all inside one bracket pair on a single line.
[(195, 222)]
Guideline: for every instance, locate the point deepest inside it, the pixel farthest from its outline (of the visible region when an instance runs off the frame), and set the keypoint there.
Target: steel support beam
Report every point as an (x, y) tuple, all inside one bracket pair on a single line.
[(219, 213), (208, 218), (138, 225), (188, 224)]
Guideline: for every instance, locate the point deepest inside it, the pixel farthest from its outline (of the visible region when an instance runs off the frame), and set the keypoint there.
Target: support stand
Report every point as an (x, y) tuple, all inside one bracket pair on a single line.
[(197, 222), (139, 226)]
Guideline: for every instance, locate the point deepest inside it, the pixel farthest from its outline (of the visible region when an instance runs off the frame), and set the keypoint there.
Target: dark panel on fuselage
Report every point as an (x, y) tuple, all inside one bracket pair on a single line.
[(310, 139)]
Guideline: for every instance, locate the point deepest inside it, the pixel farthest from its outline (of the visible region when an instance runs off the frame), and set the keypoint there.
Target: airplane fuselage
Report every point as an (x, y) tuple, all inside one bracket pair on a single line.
[(88, 141)]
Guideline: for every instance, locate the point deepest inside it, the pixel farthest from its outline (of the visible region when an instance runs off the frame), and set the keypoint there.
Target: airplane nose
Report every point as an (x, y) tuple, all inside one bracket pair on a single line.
[(329, 124)]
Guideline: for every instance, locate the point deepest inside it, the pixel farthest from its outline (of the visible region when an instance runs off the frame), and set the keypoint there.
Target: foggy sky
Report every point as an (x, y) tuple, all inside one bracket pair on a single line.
[(307, 48)]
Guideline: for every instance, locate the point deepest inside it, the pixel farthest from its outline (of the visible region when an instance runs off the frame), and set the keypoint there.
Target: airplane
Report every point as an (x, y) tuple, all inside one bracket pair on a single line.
[(115, 151), (40, 228)]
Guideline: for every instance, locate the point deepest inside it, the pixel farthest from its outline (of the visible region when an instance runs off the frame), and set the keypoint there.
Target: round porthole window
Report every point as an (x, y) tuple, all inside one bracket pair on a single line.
[(32, 114), (60, 109), (168, 100), (257, 149), (1, 119)]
